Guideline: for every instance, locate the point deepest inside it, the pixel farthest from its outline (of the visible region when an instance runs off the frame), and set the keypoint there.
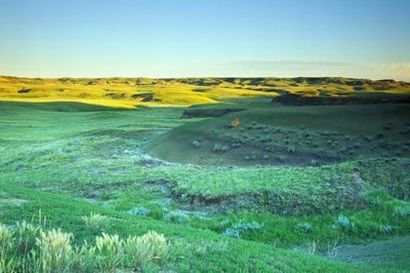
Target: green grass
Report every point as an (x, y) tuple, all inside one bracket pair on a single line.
[(202, 251), (310, 135), (71, 160)]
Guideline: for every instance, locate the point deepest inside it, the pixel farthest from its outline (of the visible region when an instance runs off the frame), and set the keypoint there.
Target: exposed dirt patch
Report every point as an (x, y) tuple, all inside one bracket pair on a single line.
[(392, 251)]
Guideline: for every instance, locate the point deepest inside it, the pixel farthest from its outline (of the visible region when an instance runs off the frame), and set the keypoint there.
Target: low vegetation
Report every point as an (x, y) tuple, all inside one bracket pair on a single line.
[(29, 248), (290, 189)]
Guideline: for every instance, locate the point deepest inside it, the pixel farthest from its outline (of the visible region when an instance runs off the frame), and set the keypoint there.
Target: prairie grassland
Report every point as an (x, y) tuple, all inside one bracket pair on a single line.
[(90, 170), (130, 92)]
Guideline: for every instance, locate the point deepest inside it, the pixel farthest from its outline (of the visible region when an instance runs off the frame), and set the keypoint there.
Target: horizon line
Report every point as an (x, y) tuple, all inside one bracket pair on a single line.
[(200, 77)]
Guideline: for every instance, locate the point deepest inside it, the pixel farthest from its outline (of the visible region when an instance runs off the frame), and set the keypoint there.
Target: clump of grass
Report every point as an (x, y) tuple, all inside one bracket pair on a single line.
[(313, 162), (95, 221), (401, 211), (218, 148), (108, 251), (139, 211), (280, 158), (309, 249), (236, 145), (233, 233), (195, 143), (344, 223), (53, 251), (386, 229), (238, 228), (176, 216), (25, 236), (7, 261), (291, 149), (148, 247), (305, 227)]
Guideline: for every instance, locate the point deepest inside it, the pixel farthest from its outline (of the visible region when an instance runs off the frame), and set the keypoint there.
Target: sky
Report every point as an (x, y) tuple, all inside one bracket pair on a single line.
[(205, 38)]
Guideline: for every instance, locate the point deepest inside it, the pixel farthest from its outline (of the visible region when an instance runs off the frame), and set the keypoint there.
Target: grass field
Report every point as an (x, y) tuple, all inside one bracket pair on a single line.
[(263, 189), (131, 92)]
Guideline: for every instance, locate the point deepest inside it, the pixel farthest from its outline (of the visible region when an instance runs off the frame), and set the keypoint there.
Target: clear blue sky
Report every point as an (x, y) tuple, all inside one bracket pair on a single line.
[(178, 38)]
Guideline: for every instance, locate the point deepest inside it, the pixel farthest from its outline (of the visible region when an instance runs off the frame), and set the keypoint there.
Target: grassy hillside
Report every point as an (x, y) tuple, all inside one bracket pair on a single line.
[(311, 135), (128, 92), (71, 159)]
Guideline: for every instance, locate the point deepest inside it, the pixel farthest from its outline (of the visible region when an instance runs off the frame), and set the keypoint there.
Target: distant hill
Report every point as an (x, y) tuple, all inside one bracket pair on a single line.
[(129, 92)]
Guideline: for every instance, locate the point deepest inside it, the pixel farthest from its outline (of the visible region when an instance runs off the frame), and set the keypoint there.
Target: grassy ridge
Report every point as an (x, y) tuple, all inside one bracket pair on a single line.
[(129, 92), (311, 135)]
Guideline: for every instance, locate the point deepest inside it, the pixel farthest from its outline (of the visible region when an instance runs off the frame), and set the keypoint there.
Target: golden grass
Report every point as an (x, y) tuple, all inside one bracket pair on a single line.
[(132, 92)]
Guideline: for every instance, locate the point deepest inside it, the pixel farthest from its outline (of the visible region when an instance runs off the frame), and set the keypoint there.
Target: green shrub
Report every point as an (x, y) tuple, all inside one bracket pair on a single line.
[(195, 143), (238, 228), (139, 211), (218, 148), (176, 216)]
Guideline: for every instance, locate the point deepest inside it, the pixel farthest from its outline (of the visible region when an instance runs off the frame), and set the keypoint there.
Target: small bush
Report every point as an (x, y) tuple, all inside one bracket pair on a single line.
[(176, 216), (195, 143), (236, 229), (220, 148), (139, 211)]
